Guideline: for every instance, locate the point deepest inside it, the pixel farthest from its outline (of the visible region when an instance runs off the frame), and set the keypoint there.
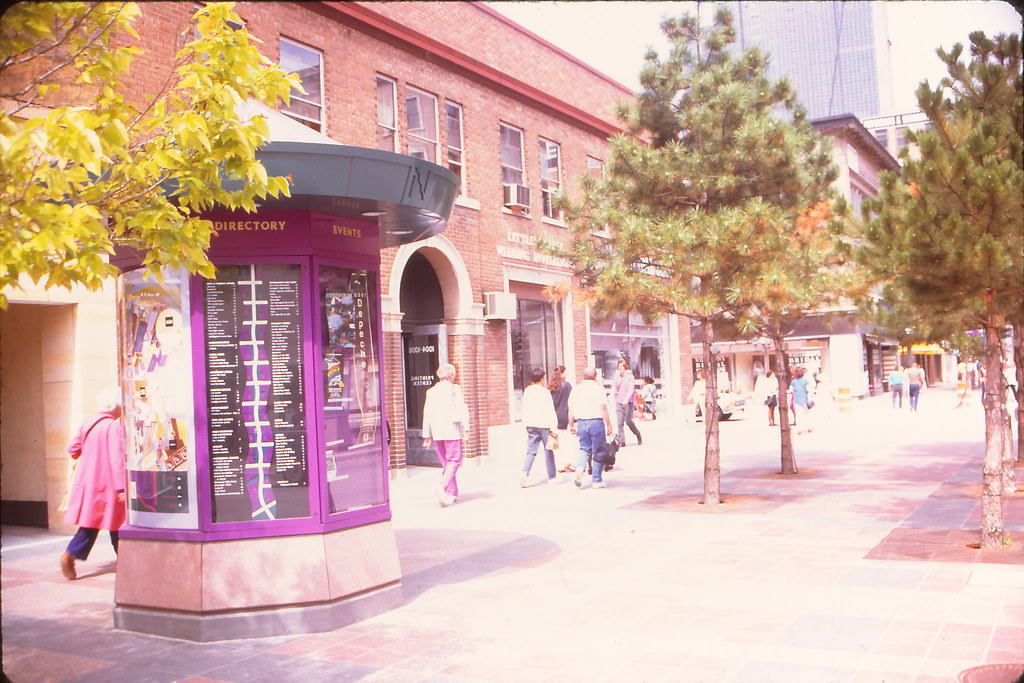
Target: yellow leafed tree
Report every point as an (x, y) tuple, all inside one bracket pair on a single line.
[(83, 166)]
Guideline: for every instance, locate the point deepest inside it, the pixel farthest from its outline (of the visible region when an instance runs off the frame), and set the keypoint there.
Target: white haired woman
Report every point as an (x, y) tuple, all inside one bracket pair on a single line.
[(96, 499), (445, 421)]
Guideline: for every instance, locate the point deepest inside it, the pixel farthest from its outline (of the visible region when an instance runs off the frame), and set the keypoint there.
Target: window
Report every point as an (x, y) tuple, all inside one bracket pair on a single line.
[(550, 176), (453, 127), (857, 197), (852, 158), (627, 335), (512, 156), (536, 340), (387, 124), (901, 137), (882, 135), (421, 124), (308, 64)]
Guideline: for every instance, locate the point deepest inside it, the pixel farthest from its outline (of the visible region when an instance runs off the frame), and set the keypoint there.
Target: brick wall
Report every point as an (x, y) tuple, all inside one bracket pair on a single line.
[(483, 33), (354, 53), (394, 399)]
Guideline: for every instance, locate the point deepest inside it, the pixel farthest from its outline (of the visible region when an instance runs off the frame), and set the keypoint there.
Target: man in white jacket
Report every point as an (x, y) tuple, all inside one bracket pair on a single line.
[(445, 421), (540, 420)]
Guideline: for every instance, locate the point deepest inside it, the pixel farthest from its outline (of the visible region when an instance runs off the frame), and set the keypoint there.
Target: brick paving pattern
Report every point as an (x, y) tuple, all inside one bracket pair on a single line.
[(857, 570)]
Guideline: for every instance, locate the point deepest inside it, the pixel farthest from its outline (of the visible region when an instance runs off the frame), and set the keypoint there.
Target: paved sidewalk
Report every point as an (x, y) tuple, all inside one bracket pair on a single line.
[(856, 570)]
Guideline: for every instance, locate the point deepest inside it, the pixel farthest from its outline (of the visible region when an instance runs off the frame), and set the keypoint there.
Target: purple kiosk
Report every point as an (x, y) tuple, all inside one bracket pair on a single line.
[(256, 434)]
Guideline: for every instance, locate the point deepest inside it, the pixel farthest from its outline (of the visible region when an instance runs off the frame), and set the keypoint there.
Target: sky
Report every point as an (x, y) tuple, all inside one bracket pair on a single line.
[(612, 36)]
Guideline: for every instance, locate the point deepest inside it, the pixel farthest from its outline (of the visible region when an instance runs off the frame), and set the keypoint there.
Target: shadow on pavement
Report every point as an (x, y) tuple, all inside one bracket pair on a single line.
[(420, 550)]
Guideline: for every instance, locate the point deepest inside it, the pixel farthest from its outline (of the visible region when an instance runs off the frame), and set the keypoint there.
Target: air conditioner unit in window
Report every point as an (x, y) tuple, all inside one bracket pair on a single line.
[(499, 306), (516, 197)]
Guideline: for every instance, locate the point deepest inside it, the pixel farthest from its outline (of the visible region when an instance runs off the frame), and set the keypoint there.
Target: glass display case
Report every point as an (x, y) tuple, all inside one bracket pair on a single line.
[(254, 399)]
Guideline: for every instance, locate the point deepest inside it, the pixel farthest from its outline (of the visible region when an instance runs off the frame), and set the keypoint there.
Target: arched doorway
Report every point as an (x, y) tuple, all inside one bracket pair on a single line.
[(430, 317), (424, 347)]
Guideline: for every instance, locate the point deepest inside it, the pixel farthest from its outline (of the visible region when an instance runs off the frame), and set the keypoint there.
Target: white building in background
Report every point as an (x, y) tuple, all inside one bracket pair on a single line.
[(836, 343), (891, 130)]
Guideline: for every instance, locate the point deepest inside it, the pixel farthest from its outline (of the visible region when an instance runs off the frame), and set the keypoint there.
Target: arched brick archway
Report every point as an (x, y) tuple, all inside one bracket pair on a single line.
[(454, 337), (451, 272)]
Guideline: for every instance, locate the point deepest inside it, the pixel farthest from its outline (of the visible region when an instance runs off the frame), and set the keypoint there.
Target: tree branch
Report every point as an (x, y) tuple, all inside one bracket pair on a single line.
[(42, 78)]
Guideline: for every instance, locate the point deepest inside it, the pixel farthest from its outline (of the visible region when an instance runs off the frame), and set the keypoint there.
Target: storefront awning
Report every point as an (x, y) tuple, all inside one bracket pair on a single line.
[(924, 350)]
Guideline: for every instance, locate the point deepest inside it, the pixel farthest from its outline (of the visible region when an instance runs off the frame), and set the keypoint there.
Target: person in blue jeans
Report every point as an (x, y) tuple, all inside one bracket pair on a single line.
[(896, 385), (915, 380), (590, 421), (802, 401), (540, 419), (624, 388)]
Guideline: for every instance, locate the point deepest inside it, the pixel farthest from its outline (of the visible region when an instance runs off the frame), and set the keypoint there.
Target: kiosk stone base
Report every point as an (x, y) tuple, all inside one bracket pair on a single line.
[(220, 590)]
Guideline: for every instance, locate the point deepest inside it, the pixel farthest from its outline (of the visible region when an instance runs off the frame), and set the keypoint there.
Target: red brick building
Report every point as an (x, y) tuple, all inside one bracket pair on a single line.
[(518, 120)]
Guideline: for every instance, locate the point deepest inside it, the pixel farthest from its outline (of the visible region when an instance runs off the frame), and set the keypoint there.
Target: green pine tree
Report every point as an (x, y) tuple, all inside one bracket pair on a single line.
[(805, 273), (700, 200), (948, 231)]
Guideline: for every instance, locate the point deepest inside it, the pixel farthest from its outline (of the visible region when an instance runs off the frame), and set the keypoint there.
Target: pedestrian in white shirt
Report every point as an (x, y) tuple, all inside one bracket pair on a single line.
[(445, 421), (540, 420), (590, 421)]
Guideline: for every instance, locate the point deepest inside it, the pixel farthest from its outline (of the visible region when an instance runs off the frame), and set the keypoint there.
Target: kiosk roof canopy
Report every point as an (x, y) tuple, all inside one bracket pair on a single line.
[(410, 198)]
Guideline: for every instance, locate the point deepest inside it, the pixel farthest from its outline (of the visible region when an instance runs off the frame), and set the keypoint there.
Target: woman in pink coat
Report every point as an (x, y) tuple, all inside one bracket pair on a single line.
[(96, 500)]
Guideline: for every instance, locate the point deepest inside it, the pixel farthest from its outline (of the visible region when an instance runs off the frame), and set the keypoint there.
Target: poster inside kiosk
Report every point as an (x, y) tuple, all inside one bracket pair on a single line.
[(156, 372), (353, 447), (258, 441)]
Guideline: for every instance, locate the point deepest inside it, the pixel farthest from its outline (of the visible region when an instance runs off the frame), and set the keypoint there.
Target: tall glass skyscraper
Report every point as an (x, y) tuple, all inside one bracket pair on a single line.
[(835, 54)]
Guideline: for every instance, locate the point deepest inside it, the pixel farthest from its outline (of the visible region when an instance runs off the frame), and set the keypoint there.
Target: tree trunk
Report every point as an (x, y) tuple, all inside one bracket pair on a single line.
[(1009, 476), (992, 472), (712, 452), (1018, 360), (785, 430)]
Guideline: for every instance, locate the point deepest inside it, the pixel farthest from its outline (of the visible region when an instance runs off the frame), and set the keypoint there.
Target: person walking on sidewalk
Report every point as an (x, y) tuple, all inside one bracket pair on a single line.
[(445, 421), (625, 397), (649, 395), (560, 389), (915, 381), (766, 390), (590, 421), (96, 499), (801, 390), (540, 420), (896, 385)]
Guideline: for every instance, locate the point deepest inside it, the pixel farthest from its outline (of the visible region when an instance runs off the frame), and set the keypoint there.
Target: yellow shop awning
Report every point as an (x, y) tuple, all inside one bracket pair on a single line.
[(924, 349)]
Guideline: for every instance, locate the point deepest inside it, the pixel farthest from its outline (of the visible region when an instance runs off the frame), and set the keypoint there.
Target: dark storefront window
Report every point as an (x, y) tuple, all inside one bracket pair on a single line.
[(627, 336), (536, 339)]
